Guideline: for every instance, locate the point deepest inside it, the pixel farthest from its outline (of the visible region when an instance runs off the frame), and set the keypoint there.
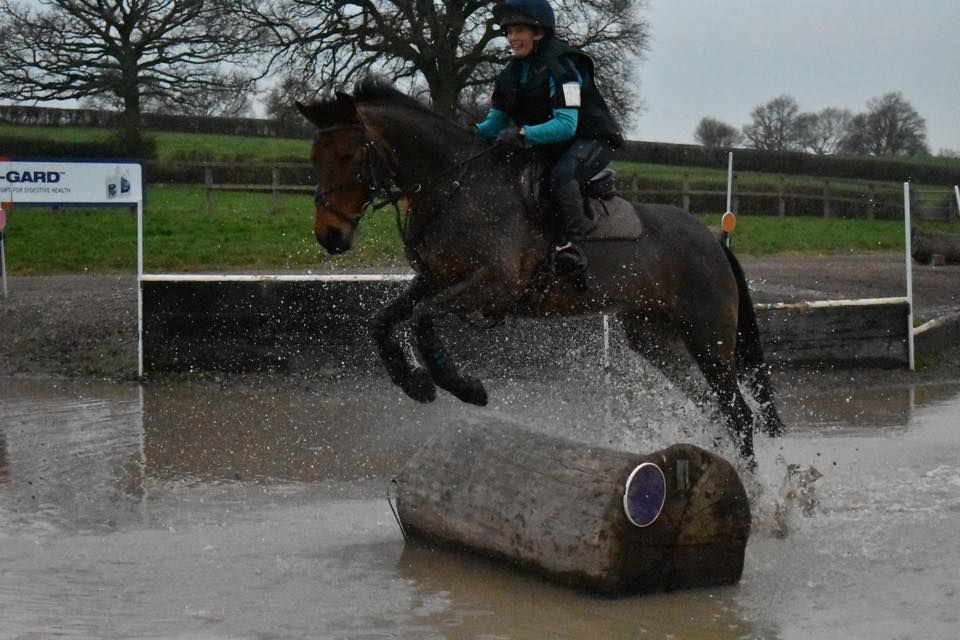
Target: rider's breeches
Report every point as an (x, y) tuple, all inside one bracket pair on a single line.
[(581, 161)]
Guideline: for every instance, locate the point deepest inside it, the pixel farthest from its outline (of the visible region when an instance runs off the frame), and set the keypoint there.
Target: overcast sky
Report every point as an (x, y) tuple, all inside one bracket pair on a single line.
[(723, 58)]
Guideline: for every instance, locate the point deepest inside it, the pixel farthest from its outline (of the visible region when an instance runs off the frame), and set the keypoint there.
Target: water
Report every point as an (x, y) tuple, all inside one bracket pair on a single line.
[(255, 508)]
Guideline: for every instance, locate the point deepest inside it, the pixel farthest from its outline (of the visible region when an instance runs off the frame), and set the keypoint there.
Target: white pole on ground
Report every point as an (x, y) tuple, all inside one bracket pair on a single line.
[(140, 288), (909, 264), (730, 181)]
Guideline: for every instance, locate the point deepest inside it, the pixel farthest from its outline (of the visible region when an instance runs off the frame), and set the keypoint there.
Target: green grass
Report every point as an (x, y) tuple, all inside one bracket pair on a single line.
[(242, 234), (183, 147)]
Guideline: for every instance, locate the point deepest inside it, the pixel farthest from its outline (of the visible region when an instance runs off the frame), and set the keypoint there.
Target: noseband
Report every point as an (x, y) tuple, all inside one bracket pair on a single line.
[(368, 178)]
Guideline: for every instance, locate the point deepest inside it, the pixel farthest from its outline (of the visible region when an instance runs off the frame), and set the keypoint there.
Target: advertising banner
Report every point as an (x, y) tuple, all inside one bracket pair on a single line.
[(70, 182)]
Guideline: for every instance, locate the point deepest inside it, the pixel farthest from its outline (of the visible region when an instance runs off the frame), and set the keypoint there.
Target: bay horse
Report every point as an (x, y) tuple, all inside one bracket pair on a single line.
[(474, 247)]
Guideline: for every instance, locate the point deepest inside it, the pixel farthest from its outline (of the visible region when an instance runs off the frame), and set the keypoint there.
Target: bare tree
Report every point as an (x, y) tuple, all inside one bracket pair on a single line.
[(450, 45), (131, 52), (824, 131), (776, 125), (716, 134), (890, 127), (280, 103)]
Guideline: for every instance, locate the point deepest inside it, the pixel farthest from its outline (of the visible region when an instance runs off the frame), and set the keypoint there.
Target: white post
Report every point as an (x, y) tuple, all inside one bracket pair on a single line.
[(605, 358), (730, 181), (3, 255), (909, 263), (956, 194), (3, 264), (140, 288)]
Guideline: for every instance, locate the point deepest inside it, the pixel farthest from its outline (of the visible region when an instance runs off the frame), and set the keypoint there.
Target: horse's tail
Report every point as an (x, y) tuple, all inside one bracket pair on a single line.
[(750, 362), (749, 352)]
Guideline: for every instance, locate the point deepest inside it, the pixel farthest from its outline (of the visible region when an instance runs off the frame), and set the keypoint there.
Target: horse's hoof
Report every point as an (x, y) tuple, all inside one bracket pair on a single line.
[(419, 386), (471, 390)]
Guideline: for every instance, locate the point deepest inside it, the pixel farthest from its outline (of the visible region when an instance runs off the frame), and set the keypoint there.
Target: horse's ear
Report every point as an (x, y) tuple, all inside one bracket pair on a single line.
[(309, 111), (346, 104)]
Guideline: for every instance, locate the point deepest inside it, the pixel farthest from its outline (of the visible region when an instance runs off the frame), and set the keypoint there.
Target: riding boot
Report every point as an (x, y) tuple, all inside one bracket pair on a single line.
[(569, 259)]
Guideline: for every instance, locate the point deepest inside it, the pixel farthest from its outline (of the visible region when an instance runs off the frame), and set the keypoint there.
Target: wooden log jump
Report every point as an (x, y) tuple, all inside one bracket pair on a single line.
[(558, 508), (931, 247)]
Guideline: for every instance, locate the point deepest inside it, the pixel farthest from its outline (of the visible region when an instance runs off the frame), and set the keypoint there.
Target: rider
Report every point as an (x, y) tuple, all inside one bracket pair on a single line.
[(546, 98)]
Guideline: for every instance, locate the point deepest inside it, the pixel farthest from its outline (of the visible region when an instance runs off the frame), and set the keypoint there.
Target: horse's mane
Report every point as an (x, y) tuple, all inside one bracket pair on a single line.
[(377, 91)]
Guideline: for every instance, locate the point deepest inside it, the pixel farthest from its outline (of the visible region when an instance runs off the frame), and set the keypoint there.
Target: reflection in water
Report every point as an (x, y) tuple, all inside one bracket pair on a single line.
[(4, 464), (255, 507)]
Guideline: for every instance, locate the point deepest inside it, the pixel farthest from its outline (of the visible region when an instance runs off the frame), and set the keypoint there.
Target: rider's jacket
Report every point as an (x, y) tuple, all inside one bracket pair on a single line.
[(532, 100)]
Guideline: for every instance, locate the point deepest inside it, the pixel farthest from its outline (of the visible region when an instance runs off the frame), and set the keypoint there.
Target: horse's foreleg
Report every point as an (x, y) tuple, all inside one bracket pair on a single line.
[(431, 350), (416, 382)]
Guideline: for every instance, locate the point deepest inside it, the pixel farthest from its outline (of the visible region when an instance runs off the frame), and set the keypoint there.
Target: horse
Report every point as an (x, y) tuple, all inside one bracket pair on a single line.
[(475, 247)]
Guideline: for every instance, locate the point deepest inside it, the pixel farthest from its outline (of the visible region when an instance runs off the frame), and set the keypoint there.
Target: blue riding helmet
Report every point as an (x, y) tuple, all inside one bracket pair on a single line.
[(533, 13)]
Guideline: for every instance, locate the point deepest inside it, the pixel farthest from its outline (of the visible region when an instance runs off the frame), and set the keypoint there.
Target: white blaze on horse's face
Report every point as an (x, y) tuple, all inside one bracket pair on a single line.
[(337, 159)]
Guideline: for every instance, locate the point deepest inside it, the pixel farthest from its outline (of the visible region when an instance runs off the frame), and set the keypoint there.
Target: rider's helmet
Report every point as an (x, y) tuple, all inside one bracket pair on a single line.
[(533, 13)]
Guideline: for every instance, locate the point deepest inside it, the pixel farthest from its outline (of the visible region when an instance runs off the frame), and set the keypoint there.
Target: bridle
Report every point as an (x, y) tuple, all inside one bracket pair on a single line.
[(374, 185), (368, 178)]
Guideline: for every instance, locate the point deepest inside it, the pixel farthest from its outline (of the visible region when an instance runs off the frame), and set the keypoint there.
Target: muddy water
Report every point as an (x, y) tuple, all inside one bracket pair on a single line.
[(256, 509)]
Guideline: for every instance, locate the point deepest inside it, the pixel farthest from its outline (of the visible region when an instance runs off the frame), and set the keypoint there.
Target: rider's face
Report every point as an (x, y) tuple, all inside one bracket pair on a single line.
[(522, 40)]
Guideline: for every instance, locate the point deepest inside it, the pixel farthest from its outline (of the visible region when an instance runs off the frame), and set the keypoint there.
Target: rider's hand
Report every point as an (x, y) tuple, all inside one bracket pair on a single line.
[(512, 136)]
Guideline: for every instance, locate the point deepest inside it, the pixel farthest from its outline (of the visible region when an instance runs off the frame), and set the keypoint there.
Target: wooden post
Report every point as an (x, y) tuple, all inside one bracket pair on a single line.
[(208, 186), (685, 192), (781, 201), (275, 188), (557, 507), (871, 205), (635, 188), (826, 198)]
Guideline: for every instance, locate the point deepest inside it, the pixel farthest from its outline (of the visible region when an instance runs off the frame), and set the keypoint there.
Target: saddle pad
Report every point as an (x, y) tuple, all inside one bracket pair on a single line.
[(616, 219)]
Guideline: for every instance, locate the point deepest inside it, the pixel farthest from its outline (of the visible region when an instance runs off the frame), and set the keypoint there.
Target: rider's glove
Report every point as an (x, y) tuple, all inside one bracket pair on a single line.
[(511, 136)]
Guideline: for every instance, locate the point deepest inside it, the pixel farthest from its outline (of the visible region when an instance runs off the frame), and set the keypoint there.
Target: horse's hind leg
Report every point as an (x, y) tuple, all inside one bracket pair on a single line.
[(714, 353), (654, 338)]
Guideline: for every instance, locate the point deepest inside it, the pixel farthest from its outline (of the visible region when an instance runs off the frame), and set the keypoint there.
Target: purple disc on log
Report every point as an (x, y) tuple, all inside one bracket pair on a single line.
[(645, 494)]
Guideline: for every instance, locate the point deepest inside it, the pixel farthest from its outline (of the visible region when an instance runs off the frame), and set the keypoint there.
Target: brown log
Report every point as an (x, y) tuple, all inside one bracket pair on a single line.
[(555, 507), (925, 245)]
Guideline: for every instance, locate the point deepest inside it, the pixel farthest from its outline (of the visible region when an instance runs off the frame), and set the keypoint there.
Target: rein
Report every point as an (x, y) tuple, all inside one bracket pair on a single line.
[(372, 185)]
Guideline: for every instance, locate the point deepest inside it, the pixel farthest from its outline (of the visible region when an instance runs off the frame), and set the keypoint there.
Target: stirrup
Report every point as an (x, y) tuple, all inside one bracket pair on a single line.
[(568, 263)]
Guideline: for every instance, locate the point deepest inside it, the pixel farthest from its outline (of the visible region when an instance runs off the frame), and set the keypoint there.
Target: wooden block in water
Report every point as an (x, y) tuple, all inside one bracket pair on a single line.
[(556, 507)]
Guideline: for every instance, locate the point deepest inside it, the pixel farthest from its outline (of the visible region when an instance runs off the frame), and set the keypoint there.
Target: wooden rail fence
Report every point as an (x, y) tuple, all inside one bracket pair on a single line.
[(821, 197)]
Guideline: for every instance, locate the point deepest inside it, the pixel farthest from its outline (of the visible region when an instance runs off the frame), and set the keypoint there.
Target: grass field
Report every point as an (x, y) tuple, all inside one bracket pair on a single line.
[(243, 235)]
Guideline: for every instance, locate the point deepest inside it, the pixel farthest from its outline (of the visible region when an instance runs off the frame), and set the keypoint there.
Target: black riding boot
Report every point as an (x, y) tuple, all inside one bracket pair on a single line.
[(569, 259)]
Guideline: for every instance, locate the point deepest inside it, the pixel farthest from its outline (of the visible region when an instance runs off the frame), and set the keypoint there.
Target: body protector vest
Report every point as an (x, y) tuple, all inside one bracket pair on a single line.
[(530, 102)]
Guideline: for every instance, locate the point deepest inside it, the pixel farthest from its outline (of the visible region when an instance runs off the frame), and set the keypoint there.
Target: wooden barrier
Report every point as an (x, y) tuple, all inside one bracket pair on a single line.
[(556, 507), (869, 331), (299, 323)]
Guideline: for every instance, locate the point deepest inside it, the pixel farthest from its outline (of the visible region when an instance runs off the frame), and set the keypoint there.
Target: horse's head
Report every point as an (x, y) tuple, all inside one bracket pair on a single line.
[(340, 157)]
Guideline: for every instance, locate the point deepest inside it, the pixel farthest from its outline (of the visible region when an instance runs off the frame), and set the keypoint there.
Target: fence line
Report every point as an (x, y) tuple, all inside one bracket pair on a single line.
[(823, 198)]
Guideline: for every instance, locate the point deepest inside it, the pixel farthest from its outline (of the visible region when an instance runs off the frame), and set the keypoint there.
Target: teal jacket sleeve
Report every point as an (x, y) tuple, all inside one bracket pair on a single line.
[(493, 124), (560, 128)]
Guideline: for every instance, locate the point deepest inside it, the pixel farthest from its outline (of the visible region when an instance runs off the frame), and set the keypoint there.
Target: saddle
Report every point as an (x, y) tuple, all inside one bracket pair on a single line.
[(614, 217)]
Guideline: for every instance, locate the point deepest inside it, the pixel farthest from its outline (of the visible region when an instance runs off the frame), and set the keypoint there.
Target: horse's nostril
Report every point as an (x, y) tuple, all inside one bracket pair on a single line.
[(334, 242)]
